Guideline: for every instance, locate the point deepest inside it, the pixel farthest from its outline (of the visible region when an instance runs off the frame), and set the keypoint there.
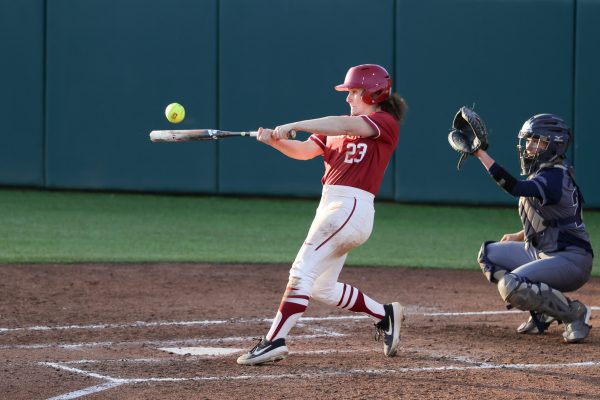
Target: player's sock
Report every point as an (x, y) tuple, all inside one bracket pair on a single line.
[(290, 310), (354, 300)]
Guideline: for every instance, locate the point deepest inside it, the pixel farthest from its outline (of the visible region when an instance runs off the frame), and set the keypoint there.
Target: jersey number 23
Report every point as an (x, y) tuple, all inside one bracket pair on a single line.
[(355, 152)]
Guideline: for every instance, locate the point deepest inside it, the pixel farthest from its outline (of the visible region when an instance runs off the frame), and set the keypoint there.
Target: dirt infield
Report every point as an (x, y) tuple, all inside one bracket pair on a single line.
[(115, 331)]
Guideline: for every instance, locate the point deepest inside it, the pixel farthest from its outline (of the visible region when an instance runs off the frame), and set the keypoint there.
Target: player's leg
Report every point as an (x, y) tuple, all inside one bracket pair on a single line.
[(498, 258), (312, 260), (537, 286), (320, 252), (327, 289), (344, 221), (387, 317), (294, 302)]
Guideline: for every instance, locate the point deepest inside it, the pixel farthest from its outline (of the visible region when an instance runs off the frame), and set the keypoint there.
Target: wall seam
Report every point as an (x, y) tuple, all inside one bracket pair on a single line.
[(217, 94), (45, 96), (394, 57), (574, 81)]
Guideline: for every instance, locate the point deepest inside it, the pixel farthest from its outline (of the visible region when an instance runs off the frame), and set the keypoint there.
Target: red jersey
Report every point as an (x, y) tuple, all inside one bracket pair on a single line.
[(357, 161)]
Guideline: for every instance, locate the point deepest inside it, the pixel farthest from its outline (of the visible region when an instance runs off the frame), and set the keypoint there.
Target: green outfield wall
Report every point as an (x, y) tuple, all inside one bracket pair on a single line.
[(82, 83)]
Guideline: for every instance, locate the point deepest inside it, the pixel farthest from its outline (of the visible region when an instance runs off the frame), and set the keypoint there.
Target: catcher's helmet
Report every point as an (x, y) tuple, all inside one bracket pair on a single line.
[(373, 78), (542, 128)]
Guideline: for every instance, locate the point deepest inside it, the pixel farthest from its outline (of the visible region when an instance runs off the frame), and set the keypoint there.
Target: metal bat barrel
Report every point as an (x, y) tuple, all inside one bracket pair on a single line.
[(201, 134), (193, 135)]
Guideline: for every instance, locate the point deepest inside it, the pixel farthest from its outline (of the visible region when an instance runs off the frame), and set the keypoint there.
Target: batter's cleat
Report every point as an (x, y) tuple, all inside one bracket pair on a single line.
[(264, 352), (390, 327), (530, 326), (579, 329)]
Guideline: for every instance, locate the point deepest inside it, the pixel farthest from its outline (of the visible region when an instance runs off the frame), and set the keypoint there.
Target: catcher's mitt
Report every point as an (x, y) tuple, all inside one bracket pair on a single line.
[(469, 134)]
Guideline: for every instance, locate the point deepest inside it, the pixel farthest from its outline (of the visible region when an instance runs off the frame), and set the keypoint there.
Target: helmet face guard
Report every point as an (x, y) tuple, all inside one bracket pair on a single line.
[(533, 150), (543, 139), (373, 79)]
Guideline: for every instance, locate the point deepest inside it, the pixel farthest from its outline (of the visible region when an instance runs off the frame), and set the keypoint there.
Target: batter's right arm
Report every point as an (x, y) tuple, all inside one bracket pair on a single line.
[(292, 148)]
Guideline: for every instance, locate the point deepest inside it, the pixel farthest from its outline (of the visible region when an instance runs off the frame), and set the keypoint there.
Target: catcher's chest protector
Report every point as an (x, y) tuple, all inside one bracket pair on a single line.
[(531, 217), (546, 225)]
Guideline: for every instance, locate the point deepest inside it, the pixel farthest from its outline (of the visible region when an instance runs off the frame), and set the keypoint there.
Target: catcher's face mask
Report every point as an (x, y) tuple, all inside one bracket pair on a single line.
[(535, 150), (543, 139)]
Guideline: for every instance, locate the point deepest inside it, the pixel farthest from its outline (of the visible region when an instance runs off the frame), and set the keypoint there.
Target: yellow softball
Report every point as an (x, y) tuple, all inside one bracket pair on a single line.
[(175, 113)]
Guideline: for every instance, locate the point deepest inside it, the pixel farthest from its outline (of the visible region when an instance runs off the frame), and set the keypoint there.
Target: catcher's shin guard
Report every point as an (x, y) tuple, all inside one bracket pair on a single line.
[(539, 297), (492, 272), (579, 329)]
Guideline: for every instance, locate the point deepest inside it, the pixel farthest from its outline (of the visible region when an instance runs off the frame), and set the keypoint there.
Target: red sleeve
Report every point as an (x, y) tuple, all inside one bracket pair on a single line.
[(384, 124), (321, 140)]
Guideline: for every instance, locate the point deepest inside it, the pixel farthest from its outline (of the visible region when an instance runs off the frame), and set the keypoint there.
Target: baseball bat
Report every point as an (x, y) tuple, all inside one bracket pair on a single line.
[(201, 134)]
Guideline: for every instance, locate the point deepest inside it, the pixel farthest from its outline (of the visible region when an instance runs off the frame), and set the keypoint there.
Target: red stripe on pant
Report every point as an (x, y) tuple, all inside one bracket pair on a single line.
[(340, 228)]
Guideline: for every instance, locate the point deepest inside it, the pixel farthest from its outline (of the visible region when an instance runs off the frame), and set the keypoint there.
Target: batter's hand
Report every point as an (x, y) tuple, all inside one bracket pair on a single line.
[(265, 135), (282, 131)]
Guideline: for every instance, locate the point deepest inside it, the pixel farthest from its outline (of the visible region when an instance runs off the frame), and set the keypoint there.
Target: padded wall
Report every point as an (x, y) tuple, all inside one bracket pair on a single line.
[(22, 92), (83, 83), (587, 88), (279, 62), (512, 60), (113, 66)]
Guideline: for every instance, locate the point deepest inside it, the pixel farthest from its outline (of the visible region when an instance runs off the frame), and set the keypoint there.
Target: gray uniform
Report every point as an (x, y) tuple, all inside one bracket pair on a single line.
[(556, 254), (557, 249)]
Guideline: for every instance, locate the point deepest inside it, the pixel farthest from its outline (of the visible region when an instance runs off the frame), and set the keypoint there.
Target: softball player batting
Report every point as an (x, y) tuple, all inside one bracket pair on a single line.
[(356, 150), (552, 254)]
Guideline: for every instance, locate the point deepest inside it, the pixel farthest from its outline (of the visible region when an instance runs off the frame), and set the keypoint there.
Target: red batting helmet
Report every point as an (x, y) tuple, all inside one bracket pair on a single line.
[(373, 78)]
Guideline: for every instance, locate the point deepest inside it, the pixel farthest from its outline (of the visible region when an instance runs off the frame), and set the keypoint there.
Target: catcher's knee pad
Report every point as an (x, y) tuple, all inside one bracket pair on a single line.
[(525, 295), (492, 272)]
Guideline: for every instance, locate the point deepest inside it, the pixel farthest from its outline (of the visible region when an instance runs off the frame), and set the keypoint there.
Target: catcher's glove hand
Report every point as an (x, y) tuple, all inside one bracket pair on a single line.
[(469, 134)]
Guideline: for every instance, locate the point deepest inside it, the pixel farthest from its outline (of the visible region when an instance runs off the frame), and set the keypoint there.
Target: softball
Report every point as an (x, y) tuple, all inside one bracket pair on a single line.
[(175, 113)]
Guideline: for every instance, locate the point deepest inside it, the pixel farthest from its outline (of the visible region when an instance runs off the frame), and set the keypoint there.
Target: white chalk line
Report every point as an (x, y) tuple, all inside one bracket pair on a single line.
[(142, 324), (153, 324), (89, 390), (156, 343), (170, 359), (136, 324), (114, 382)]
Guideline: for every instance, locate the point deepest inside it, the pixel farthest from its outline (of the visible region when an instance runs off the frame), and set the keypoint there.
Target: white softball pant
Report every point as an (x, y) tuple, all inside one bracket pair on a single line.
[(343, 221)]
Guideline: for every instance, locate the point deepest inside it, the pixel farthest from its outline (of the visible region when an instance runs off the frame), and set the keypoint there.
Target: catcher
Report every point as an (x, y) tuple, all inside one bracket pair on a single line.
[(552, 254)]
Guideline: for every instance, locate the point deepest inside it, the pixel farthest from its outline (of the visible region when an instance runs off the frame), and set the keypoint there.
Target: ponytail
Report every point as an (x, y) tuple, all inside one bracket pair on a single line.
[(394, 105)]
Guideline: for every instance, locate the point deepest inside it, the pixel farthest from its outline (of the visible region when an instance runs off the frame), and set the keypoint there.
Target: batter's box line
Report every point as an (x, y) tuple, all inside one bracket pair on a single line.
[(157, 343), (112, 382), (154, 324)]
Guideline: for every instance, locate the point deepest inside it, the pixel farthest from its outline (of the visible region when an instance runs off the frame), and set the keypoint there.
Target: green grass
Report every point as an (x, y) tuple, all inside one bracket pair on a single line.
[(67, 227)]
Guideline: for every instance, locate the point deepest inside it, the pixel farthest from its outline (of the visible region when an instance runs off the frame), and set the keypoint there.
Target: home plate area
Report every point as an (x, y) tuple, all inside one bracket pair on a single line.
[(325, 348), (86, 333)]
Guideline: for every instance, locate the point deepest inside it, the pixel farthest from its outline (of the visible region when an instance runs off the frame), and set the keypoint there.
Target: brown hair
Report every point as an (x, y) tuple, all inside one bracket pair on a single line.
[(394, 105)]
